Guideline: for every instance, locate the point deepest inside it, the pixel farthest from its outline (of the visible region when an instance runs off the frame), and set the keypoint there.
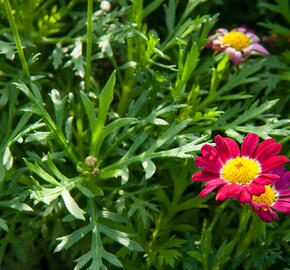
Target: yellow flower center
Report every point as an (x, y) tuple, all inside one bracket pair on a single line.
[(268, 197), (236, 40), (240, 170)]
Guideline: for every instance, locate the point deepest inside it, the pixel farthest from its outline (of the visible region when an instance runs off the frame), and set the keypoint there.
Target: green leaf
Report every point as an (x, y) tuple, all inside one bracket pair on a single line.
[(81, 261), (196, 202), (89, 110), (45, 195), (7, 159), (68, 128), (3, 225), (182, 151), (205, 241), (69, 240), (109, 129), (8, 49), (85, 191), (4, 97), (24, 89), (121, 237), (223, 254), (170, 15), (111, 258), (173, 130), (72, 206), (168, 256), (57, 173), (16, 204), (124, 174), (149, 168), (276, 28), (77, 59), (58, 104), (42, 136), (253, 111), (242, 77), (151, 7), (41, 173), (159, 122), (195, 254), (2, 173), (105, 99), (112, 216), (25, 131), (57, 55), (139, 140)]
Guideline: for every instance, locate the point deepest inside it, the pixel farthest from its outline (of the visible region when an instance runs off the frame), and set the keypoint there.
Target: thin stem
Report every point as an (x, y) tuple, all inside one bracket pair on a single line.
[(16, 38), (123, 103), (89, 43)]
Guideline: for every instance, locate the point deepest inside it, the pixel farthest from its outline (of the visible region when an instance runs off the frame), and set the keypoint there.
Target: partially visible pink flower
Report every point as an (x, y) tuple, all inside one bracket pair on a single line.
[(239, 43), (239, 174), (276, 196)]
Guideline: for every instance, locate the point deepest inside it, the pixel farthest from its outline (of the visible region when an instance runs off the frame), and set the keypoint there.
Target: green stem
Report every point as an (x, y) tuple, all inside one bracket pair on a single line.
[(16, 38), (89, 43), (126, 87), (246, 240), (123, 104)]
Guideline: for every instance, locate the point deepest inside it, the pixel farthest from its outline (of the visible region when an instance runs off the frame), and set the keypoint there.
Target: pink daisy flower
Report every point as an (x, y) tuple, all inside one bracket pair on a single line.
[(239, 174), (276, 197), (239, 43)]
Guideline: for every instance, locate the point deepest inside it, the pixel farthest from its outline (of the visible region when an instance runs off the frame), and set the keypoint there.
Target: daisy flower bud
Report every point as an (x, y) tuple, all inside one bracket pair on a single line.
[(105, 6)]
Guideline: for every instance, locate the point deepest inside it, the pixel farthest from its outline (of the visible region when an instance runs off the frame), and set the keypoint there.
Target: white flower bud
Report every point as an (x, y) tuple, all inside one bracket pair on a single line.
[(105, 5)]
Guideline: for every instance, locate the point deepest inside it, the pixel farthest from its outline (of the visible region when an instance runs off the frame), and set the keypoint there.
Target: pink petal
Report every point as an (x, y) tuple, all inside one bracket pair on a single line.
[(279, 170), (284, 199), (216, 182), (283, 182), (245, 196), (265, 215), (269, 175), (234, 148), (207, 190), (247, 51), (273, 162), (254, 38), (236, 56), (207, 165), (259, 48), (263, 180), (209, 152), (249, 144), (255, 189), (239, 29), (282, 206), (204, 176), (222, 31), (258, 205), (262, 146), (273, 213), (222, 148), (222, 193), (269, 151), (285, 192), (234, 190)]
